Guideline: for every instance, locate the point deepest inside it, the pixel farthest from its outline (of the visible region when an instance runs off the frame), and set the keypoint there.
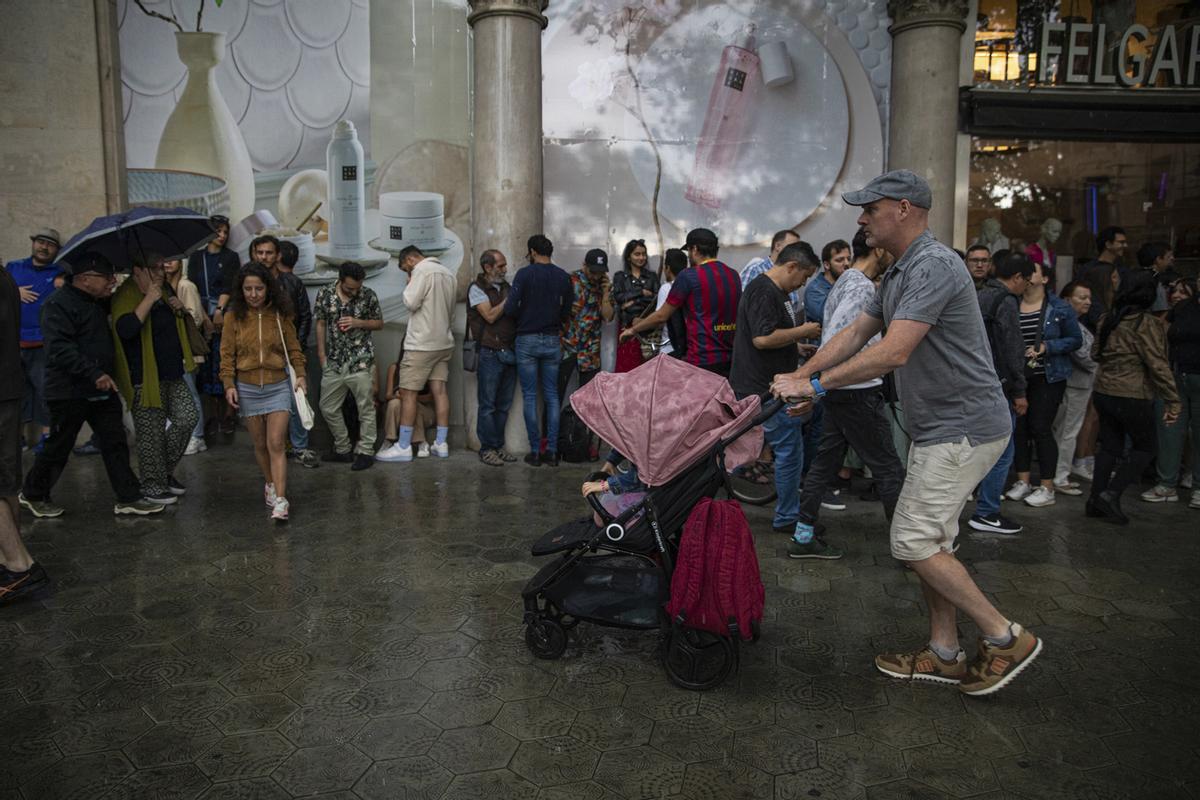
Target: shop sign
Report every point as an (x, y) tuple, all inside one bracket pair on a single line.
[(1080, 50)]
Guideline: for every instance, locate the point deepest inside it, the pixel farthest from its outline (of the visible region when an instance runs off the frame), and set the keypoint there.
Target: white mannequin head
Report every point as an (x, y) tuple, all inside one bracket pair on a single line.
[(989, 230), (1051, 230)]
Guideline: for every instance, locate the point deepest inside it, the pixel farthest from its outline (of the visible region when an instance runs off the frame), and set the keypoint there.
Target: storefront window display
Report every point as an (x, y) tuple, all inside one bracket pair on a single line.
[(1079, 115)]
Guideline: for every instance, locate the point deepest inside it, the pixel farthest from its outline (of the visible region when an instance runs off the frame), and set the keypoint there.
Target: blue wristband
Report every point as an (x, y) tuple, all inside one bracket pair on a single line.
[(816, 384)]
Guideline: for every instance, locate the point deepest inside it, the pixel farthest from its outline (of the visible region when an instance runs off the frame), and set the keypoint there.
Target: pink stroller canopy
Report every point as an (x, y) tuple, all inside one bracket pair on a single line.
[(666, 414)]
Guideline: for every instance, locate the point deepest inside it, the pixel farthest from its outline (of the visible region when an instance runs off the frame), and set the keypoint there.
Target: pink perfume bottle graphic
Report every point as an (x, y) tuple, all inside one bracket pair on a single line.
[(730, 105)]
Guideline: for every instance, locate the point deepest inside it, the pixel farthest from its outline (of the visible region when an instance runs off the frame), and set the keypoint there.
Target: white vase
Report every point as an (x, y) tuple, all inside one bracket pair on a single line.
[(201, 135)]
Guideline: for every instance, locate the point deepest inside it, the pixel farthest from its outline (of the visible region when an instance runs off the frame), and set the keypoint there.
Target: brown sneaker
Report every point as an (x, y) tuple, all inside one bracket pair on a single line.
[(923, 665), (995, 666)]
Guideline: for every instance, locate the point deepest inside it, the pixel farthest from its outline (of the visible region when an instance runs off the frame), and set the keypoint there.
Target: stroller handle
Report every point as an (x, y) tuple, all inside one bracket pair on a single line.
[(594, 498), (769, 408)]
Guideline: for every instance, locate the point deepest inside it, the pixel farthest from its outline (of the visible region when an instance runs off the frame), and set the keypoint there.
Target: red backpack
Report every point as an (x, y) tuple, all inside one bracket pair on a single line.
[(716, 585)]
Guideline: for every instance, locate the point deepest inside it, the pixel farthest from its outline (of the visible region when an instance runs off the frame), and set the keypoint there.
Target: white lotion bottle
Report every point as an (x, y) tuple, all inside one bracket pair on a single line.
[(347, 192)]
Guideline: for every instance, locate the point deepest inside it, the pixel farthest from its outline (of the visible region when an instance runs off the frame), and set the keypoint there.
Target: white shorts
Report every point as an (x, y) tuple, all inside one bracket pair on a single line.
[(940, 476)]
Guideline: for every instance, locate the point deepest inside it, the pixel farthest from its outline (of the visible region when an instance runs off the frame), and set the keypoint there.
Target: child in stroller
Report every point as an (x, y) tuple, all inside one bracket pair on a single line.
[(614, 567)]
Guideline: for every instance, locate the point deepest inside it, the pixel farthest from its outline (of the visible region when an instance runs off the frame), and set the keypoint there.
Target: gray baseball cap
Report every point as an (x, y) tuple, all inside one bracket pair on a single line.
[(899, 184)]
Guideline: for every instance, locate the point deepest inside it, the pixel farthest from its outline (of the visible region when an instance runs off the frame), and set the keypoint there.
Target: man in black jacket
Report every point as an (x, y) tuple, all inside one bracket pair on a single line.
[(287, 254), (1001, 309), (79, 389)]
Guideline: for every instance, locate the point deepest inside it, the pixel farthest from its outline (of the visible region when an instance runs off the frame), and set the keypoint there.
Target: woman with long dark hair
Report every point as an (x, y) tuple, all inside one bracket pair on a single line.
[(1050, 328), (634, 291), (258, 341), (1131, 349)]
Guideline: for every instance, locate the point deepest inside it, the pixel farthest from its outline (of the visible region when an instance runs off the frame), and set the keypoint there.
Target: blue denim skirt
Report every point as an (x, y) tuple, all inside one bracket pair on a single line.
[(256, 401)]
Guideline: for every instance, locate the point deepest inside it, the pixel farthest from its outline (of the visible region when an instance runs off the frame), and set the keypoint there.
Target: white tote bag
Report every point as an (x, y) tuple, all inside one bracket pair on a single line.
[(303, 409)]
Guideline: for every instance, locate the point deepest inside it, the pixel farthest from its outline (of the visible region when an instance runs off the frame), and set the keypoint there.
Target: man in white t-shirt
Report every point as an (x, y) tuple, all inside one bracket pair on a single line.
[(855, 416)]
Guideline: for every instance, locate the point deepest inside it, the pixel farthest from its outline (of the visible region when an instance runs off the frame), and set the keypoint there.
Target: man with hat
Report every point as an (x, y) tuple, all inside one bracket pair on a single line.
[(35, 281), (934, 338), (79, 388), (708, 293), (591, 307)]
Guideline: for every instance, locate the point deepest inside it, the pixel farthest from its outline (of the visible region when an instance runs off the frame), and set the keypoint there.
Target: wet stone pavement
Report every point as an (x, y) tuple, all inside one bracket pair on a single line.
[(373, 649)]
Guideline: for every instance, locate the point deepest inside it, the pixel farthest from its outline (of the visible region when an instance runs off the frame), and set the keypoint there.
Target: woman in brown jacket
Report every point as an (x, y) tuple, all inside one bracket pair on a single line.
[(258, 340), (1131, 349)]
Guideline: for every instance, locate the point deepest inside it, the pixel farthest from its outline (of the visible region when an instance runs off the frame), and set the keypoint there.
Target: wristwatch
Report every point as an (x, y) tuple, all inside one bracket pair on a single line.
[(817, 387)]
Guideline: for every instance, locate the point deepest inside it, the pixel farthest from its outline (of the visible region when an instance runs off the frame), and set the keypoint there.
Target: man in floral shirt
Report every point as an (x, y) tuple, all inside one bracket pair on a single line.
[(592, 307), (346, 314)]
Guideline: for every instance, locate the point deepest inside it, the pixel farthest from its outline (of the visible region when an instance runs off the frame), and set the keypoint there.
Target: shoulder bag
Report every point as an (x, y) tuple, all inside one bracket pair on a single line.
[(303, 409), (470, 352)]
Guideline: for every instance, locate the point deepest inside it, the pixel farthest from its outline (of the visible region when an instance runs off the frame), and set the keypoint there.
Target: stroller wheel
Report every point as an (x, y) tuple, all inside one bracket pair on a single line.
[(545, 638), (697, 660)]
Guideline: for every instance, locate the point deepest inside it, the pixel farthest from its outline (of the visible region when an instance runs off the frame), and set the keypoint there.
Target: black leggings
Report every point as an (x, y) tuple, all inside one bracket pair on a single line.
[(1122, 417), (1036, 426)]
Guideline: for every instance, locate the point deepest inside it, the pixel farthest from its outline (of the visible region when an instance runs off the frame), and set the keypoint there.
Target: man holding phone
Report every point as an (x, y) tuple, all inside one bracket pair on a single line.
[(934, 338)]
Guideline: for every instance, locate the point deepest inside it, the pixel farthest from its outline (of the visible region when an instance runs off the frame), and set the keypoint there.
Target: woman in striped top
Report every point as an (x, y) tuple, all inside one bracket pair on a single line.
[(1051, 333)]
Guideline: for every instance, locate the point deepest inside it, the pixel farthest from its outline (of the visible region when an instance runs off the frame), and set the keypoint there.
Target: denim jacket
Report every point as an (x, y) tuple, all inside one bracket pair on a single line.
[(1062, 337)]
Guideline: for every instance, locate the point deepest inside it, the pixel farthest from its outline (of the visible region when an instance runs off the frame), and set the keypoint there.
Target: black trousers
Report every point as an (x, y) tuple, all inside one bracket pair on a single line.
[(855, 418), (1121, 418), (66, 418), (1035, 428)]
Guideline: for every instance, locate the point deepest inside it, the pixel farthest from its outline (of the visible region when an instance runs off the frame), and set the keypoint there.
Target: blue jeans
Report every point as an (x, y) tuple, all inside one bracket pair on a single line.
[(296, 432), (992, 484), (495, 381), (786, 437), (538, 355)]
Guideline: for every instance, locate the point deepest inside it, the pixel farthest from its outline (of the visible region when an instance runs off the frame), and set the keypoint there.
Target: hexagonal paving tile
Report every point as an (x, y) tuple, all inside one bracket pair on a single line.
[(461, 708), (553, 761), (661, 701), (172, 743), (862, 759), (611, 728), (314, 770), (500, 784), (107, 730), (397, 737), (584, 790), (248, 755), (311, 727), (419, 778), (775, 750), (388, 698), (176, 781), (726, 780), (80, 776), (324, 689), (473, 749), (248, 789), (690, 739), (818, 720), (252, 713), (950, 770), (450, 673), (640, 773), (521, 682), (535, 719), (895, 727), (817, 783)]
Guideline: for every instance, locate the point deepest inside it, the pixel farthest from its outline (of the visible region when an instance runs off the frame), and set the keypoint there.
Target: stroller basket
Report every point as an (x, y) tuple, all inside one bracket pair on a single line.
[(620, 590)]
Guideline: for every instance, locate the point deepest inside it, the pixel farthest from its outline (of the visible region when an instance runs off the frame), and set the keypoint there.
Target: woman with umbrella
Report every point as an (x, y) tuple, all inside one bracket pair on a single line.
[(257, 344), (152, 356)]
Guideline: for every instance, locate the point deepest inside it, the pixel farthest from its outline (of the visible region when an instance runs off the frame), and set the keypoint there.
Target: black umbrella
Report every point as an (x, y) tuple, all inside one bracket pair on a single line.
[(130, 236)]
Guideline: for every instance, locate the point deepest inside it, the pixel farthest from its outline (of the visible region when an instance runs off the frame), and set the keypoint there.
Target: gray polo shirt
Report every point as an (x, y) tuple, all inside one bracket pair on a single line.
[(949, 387)]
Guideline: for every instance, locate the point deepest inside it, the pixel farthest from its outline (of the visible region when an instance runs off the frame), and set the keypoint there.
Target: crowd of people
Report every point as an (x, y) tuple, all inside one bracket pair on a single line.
[(1093, 382)]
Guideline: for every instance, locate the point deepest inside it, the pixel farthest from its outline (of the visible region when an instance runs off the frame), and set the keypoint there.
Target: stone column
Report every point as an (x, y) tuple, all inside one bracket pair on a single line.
[(926, 38), (506, 157)]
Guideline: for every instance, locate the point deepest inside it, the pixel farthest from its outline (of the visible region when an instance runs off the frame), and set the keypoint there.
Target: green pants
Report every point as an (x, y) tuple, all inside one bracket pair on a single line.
[(334, 386), (1173, 438)]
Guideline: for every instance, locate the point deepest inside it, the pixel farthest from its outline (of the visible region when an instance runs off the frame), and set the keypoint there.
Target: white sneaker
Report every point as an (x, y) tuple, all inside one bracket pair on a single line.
[(441, 450), (1068, 488), (423, 450), (1185, 480), (269, 494), (1160, 494), (1195, 499), (195, 445), (395, 453), (1083, 469), (279, 512), (1019, 491), (1041, 496)]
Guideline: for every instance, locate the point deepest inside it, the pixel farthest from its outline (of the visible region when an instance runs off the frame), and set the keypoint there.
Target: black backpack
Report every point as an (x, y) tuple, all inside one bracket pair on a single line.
[(574, 438), (993, 335)]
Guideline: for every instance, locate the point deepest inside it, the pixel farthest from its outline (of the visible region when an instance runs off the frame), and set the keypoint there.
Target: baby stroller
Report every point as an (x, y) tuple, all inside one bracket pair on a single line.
[(680, 425)]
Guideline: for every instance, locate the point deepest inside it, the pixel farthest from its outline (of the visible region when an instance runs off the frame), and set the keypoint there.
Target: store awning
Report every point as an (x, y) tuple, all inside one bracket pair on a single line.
[(1131, 115)]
